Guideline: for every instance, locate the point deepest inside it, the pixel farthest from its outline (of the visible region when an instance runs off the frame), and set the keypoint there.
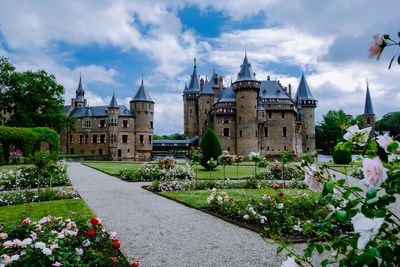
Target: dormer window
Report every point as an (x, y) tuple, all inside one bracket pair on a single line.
[(113, 121)]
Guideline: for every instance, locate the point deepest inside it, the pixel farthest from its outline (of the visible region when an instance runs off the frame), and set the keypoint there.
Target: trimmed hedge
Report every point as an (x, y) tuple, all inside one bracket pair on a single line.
[(29, 140), (341, 156), (210, 146), (1, 155)]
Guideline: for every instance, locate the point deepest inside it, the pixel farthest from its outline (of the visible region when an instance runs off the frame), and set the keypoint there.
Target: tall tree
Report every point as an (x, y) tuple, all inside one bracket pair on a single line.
[(331, 130), (32, 98), (357, 120), (390, 122)]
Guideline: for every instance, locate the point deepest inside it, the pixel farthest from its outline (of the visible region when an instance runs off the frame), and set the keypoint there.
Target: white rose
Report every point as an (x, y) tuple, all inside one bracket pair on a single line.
[(374, 172), (368, 228)]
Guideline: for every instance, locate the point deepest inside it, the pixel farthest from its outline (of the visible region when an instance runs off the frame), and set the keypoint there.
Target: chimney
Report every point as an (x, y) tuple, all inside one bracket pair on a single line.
[(201, 84), (290, 90), (221, 82), (285, 88), (268, 78)]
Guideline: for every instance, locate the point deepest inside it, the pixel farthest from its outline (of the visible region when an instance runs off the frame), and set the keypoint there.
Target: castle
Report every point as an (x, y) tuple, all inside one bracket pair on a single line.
[(115, 131), (251, 115)]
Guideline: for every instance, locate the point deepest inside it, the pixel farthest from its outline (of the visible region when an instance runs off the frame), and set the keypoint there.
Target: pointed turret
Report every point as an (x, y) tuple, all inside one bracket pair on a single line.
[(194, 84), (88, 112), (368, 109), (246, 73), (142, 94), (303, 90), (80, 93), (113, 102), (207, 90)]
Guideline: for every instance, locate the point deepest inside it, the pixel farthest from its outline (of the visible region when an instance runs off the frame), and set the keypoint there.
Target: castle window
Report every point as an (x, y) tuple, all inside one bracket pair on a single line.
[(149, 139), (240, 133), (267, 148), (86, 139), (81, 139), (190, 111), (70, 139), (284, 134), (151, 124), (208, 102), (229, 148), (142, 105), (113, 121), (284, 148), (102, 138), (100, 151), (256, 133), (308, 149), (205, 122), (368, 120), (102, 123), (283, 114), (113, 138), (94, 138), (141, 139), (307, 137), (226, 132), (124, 138), (86, 124), (125, 123), (226, 120), (72, 151), (269, 114), (205, 111), (265, 131)]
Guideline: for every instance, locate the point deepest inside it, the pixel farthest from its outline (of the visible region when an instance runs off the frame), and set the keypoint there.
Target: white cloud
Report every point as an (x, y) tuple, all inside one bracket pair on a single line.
[(168, 113)]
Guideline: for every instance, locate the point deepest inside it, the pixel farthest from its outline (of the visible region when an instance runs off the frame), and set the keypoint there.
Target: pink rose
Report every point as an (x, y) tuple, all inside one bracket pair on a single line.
[(375, 47), (8, 244), (6, 259), (311, 180), (384, 141), (3, 235), (374, 172), (33, 235)]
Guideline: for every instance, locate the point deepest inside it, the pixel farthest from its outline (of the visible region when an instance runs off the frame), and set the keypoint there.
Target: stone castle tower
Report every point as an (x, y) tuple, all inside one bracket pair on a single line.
[(368, 115), (251, 115)]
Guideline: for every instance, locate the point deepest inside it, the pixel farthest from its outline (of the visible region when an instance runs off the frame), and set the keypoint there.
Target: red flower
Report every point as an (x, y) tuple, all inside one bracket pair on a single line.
[(117, 243), (293, 151), (135, 264), (276, 187), (113, 259), (321, 214), (91, 233), (94, 221), (295, 155), (281, 194)]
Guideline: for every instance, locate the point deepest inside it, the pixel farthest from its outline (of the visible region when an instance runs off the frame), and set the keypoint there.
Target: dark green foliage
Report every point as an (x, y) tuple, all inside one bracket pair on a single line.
[(29, 140), (331, 130), (382, 154), (390, 122), (210, 146), (357, 120), (341, 156), (157, 137), (1, 155)]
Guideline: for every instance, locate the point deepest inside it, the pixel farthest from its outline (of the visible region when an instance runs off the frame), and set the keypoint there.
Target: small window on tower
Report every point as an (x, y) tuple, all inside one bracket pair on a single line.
[(284, 132), (124, 138), (266, 132), (226, 131), (125, 123), (368, 120), (141, 139), (307, 137), (226, 120), (240, 133), (283, 114), (149, 139), (94, 138), (269, 114), (151, 124)]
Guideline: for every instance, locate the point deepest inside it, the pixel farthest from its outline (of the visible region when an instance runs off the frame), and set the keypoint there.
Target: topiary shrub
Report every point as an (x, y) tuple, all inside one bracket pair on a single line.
[(210, 146), (341, 156)]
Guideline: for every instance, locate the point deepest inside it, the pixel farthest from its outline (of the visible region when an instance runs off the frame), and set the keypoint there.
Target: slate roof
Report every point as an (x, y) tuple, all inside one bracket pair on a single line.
[(65, 109), (98, 111), (213, 83), (207, 90), (227, 95), (272, 89), (194, 84), (113, 102), (80, 93), (303, 90), (368, 109), (246, 73), (142, 94)]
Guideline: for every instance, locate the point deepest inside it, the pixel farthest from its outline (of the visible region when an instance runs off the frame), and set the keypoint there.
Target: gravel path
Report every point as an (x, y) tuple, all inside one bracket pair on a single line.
[(161, 232)]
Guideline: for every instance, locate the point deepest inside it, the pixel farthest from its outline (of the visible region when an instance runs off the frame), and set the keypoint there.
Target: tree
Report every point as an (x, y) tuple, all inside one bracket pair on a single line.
[(390, 122), (32, 98), (157, 137), (69, 123), (358, 120), (331, 130), (210, 146)]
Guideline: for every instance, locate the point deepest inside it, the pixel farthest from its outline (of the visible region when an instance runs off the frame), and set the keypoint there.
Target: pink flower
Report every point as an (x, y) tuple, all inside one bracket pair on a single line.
[(54, 246), (8, 244), (26, 221), (33, 235), (311, 180), (384, 141), (56, 264), (17, 242), (374, 172), (3, 235), (6, 259), (71, 225), (375, 46)]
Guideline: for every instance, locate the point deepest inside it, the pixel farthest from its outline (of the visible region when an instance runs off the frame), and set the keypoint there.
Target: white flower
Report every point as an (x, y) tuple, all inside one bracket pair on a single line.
[(87, 243), (112, 235), (374, 172), (351, 132), (26, 242), (209, 199), (14, 258), (79, 251), (354, 131), (246, 217), (311, 180), (46, 251), (368, 228), (40, 245), (384, 141), (263, 219), (281, 206), (331, 207), (289, 262)]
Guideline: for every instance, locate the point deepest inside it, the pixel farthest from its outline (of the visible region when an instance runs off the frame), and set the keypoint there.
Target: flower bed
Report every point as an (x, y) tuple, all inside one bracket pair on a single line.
[(27, 177), (51, 241), (29, 196)]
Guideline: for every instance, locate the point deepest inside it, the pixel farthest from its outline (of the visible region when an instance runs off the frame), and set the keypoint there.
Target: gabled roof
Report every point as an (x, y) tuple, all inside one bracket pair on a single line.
[(88, 112), (80, 93), (368, 109), (272, 89), (207, 90), (142, 94), (246, 73), (113, 102), (303, 90), (100, 111), (227, 95), (194, 84)]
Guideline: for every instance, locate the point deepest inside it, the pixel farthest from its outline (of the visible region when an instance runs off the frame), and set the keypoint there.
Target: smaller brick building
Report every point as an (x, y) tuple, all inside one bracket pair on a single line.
[(115, 130)]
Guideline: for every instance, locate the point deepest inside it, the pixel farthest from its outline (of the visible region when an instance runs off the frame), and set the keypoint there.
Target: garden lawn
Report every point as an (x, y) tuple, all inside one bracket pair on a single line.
[(198, 198), (10, 167), (113, 168), (15, 213)]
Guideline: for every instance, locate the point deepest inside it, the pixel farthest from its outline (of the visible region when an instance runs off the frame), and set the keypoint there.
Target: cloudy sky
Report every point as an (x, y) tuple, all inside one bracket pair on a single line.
[(112, 43)]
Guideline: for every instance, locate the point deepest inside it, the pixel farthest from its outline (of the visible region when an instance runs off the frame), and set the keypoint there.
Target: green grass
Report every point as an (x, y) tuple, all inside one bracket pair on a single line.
[(114, 168), (198, 198), (10, 215), (11, 167), (76, 155)]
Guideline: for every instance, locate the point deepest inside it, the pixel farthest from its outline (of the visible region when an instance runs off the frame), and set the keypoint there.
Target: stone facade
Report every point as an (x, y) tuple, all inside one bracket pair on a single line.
[(251, 115), (114, 130)]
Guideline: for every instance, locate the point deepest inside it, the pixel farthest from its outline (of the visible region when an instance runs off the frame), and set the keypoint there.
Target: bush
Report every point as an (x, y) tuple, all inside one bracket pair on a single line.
[(210, 146), (1, 155), (382, 154), (151, 172), (341, 156)]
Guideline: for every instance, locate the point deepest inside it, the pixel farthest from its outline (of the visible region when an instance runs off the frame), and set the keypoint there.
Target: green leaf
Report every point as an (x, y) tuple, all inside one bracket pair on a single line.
[(371, 193), (329, 216), (391, 61), (357, 189), (392, 147), (341, 182), (373, 200), (341, 215), (329, 186), (381, 213), (279, 250), (319, 248)]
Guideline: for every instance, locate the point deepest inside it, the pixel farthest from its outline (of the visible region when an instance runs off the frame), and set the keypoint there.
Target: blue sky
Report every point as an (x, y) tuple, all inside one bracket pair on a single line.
[(112, 43)]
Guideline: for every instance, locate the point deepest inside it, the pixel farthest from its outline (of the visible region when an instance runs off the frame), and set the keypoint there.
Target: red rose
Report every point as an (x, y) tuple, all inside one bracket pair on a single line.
[(91, 233), (293, 151), (281, 194), (295, 155), (321, 214), (117, 243), (276, 187), (94, 221), (113, 259), (135, 264)]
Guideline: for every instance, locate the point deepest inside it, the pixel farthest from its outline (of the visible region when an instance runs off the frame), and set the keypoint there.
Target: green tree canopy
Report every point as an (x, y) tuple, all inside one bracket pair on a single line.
[(331, 130), (32, 98), (157, 137), (210, 146), (390, 122), (358, 120)]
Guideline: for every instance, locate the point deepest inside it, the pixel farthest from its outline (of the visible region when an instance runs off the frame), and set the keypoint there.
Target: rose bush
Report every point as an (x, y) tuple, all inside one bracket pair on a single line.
[(16, 157)]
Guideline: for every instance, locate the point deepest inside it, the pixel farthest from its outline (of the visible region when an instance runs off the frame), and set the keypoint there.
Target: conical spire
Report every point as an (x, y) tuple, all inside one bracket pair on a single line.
[(207, 90), (194, 84), (214, 80), (368, 109), (303, 91), (142, 94), (113, 102), (246, 73), (80, 93)]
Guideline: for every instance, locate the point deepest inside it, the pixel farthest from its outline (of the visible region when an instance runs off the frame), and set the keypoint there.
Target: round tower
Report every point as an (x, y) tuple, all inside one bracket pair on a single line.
[(142, 107), (191, 105), (206, 99), (247, 89)]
